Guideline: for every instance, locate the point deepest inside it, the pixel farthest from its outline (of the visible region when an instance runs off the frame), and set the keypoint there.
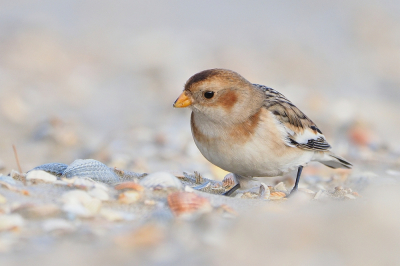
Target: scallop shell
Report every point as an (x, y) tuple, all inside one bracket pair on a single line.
[(187, 202), (56, 169), (161, 179), (92, 169)]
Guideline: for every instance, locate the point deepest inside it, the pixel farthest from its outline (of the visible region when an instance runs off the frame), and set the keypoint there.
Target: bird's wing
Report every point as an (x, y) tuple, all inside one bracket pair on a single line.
[(301, 131)]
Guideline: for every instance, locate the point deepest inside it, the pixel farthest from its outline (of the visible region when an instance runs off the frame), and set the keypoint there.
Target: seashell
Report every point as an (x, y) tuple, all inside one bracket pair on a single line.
[(250, 195), (7, 179), (203, 186), (38, 211), (11, 221), (280, 187), (186, 202), (80, 203), (56, 169), (82, 183), (58, 225), (277, 195), (41, 176), (128, 197), (267, 191), (99, 193), (92, 169), (129, 185), (161, 179)]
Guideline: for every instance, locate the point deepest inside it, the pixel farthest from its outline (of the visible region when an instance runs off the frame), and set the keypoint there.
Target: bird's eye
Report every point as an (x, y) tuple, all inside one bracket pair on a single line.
[(209, 94)]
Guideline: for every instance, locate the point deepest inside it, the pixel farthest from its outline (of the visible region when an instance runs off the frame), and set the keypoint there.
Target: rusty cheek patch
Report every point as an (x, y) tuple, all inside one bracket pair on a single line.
[(228, 100), (241, 133)]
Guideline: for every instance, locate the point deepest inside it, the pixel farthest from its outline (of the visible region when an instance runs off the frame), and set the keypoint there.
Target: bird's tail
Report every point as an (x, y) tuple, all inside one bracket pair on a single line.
[(334, 161)]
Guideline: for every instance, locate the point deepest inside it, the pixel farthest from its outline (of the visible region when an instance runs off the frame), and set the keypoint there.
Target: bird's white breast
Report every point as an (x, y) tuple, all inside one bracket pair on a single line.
[(264, 152)]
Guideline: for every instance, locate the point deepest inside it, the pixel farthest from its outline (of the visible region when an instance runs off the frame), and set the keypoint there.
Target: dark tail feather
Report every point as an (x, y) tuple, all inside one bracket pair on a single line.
[(334, 161)]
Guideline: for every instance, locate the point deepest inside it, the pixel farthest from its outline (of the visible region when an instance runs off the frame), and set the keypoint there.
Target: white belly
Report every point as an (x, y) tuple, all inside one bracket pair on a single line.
[(262, 155)]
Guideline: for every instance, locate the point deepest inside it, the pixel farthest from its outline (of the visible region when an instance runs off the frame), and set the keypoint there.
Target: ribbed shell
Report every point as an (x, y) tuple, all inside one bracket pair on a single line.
[(56, 169), (91, 169), (187, 202)]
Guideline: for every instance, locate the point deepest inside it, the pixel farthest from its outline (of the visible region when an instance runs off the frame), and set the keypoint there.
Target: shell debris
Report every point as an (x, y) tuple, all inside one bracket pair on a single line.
[(129, 197), (36, 176), (129, 185), (186, 203), (161, 179)]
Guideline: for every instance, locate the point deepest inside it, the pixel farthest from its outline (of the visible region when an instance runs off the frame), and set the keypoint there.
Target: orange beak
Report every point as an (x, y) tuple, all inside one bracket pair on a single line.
[(182, 101)]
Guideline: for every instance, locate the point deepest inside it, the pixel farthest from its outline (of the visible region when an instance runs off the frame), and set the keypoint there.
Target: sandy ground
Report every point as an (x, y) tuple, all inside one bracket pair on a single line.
[(97, 80)]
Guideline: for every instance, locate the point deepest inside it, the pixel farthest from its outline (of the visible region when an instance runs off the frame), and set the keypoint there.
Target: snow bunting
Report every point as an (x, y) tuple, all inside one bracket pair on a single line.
[(251, 130)]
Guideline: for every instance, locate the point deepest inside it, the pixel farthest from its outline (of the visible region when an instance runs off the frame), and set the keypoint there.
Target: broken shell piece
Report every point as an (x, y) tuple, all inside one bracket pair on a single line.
[(34, 211), (280, 187), (41, 176), (99, 193), (128, 197), (306, 190), (56, 169), (185, 203), (8, 179), (161, 179), (58, 225), (129, 185), (11, 221), (277, 195), (267, 191), (80, 203), (92, 169)]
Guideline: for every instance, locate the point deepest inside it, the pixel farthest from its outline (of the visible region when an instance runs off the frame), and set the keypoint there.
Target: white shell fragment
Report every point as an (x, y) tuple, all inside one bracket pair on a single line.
[(161, 179), (100, 194), (59, 225), (40, 175), (80, 203), (280, 187), (11, 221)]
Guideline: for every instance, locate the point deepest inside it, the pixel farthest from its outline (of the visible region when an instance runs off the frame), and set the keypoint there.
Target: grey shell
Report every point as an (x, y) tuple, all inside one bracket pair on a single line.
[(91, 169), (56, 169)]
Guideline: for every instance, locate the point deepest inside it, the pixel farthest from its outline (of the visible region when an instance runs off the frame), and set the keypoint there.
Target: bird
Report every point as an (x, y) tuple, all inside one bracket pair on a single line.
[(251, 130)]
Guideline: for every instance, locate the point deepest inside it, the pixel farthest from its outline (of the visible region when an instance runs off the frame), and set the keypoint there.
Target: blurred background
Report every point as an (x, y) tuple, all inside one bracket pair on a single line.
[(97, 79)]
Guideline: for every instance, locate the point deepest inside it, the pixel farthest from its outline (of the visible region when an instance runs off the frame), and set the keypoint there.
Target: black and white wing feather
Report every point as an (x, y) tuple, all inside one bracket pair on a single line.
[(301, 131)]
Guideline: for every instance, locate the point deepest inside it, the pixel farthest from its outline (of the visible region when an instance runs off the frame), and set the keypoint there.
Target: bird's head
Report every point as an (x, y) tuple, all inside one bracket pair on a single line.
[(221, 95)]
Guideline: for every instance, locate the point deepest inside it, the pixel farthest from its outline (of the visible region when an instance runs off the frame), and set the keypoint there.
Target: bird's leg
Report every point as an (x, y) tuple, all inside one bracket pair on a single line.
[(229, 180), (296, 184), (233, 189)]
